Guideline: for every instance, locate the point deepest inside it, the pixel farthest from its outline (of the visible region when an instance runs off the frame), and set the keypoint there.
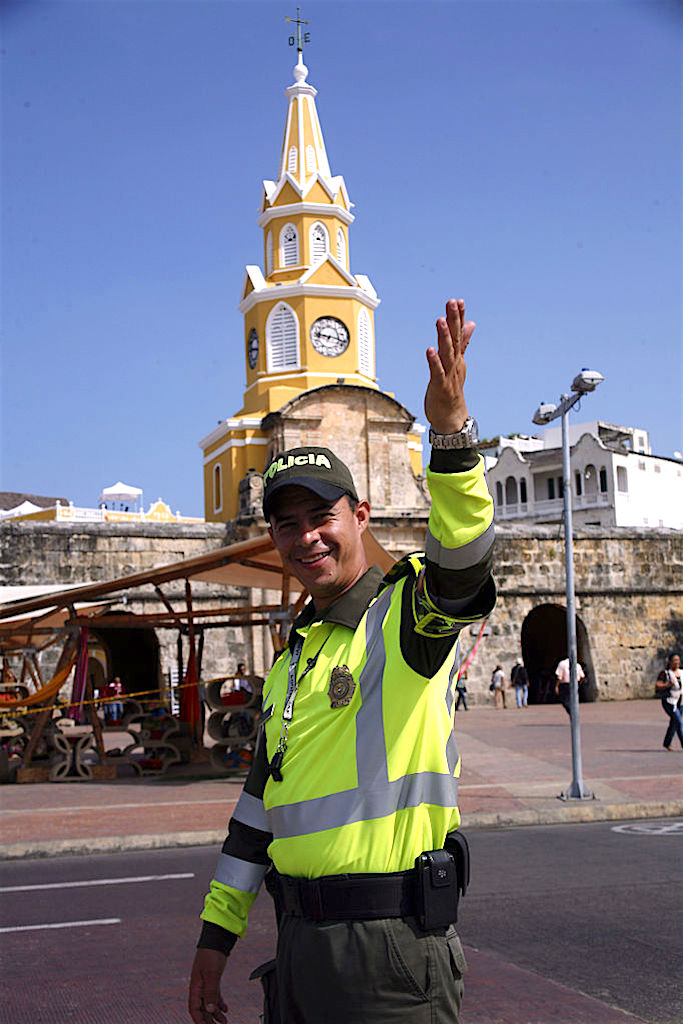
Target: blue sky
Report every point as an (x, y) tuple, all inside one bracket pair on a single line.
[(525, 154)]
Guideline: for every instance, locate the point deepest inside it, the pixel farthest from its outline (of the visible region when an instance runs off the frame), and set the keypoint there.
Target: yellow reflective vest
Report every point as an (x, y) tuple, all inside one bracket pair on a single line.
[(368, 782)]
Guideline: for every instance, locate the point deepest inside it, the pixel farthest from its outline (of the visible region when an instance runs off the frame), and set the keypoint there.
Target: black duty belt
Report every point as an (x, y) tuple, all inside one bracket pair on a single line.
[(348, 897)]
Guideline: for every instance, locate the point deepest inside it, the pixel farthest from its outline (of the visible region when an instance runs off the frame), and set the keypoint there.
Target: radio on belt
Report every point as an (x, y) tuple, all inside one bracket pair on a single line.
[(442, 877)]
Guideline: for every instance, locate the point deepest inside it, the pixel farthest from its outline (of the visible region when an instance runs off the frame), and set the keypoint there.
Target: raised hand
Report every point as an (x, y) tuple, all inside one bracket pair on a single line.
[(445, 406)]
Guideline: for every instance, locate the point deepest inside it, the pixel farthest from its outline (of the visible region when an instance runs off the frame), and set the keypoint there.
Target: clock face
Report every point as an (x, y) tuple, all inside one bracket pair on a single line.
[(252, 348), (329, 336)]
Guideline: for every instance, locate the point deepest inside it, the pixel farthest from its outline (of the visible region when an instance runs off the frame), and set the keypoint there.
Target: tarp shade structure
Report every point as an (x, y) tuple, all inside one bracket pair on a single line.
[(121, 492), (34, 628)]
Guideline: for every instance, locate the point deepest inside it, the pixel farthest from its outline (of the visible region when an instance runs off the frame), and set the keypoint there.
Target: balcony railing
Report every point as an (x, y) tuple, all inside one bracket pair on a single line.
[(551, 506)]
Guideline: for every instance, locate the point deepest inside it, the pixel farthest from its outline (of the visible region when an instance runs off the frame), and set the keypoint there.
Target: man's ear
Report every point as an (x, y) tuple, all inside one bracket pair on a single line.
[(362, 514)]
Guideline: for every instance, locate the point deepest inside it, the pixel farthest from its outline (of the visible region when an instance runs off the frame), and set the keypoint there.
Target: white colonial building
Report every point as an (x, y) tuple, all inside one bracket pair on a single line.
[(616, 480)]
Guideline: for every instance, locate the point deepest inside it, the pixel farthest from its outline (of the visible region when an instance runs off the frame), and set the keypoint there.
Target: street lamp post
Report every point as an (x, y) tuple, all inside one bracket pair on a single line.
[(583, 383)]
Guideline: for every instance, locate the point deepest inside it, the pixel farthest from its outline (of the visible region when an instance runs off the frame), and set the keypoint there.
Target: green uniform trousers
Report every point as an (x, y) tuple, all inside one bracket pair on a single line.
[(368, 972)]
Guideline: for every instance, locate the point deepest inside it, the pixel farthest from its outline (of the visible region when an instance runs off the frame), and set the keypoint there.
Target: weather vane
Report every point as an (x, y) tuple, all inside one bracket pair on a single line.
[(301, 37)]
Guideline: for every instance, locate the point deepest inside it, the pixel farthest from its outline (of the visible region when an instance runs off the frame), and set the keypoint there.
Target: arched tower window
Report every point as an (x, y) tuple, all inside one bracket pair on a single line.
[(320, 242), (365, 343), (269, 253), (499, 494), (289, 246), (282, 338), (522, 490), (511, 491), (217, 488), (341, 247), (291, 160), (311, 166)]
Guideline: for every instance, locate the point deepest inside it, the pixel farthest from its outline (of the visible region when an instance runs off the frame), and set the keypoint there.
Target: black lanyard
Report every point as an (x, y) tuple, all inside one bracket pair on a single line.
[(293, 684)]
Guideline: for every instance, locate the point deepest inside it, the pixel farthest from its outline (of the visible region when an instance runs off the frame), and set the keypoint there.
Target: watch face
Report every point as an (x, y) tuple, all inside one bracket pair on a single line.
[(252, 348), (329, 336)]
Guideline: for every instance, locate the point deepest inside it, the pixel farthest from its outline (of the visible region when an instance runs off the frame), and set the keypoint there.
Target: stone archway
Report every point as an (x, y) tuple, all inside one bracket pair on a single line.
[(132, 654), (544, 644)]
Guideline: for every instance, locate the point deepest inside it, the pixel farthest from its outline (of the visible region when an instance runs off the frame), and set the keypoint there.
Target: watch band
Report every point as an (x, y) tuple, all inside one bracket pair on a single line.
[(465, 438)]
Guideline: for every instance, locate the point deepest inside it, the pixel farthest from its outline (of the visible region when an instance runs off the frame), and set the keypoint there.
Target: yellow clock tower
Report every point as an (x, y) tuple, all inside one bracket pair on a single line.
[(308, 321)]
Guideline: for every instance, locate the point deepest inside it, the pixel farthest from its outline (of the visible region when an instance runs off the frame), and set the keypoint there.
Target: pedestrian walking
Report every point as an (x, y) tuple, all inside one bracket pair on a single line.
[(351, 802), (461, 690), (520, 681), (498, 686), (563, 682), (669, 688)]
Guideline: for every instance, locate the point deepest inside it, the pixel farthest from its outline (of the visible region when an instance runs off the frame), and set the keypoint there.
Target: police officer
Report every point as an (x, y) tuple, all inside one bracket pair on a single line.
[(353, 791)]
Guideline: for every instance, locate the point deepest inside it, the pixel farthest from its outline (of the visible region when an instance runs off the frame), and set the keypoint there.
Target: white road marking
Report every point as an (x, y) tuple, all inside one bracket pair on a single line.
[(225, 802), (95, 881), (61, 924), (651, 828)]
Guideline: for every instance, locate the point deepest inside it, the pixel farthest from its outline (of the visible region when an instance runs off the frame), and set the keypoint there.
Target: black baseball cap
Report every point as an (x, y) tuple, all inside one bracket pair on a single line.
[(317, 469)]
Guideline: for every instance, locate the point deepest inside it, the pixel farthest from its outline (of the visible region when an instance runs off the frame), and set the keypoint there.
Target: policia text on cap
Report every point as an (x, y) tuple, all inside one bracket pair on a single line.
[(350, 808)]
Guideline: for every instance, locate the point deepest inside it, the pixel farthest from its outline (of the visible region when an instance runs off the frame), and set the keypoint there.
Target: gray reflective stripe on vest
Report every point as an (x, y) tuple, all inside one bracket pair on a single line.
[(452, 755), (375, 796), (462, 557), (250, 811), (239, 874)]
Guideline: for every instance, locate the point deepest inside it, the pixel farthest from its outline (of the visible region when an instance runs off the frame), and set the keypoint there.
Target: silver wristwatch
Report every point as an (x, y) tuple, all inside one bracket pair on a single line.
[(468, 437)]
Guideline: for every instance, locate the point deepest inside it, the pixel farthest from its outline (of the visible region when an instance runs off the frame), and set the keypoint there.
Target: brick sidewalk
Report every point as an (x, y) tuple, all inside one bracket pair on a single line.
[(515, 765)]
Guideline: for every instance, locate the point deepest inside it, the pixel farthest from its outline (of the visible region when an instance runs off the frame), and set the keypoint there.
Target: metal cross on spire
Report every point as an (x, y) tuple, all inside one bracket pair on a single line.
[(301, 37)]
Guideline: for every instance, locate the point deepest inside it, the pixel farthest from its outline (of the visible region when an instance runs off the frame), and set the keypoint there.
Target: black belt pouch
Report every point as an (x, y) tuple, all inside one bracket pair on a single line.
[(267, 975)]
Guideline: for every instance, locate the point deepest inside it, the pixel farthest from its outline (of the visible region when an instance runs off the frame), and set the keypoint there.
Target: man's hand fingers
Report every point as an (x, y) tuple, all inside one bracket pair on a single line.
[(455, 315), (446, 347), (467, 332)]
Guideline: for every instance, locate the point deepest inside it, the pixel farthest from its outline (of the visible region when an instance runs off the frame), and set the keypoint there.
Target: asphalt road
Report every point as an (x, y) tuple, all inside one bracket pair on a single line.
[(107, 939), (597, 907)]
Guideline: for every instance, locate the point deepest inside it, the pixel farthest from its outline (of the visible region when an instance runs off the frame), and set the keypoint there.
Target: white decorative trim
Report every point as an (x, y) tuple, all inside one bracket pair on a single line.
[(217, 475), (316, 209), (242, 423), (415, 446), (300, 127), (329, 258), (331, 186), (255, 275), (285, 149), (270, 378), (295, 289), (366, 284), (236, 442)]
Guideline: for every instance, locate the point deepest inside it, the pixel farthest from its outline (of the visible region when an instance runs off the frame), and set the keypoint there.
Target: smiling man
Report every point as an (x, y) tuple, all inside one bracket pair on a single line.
[(351, 802)]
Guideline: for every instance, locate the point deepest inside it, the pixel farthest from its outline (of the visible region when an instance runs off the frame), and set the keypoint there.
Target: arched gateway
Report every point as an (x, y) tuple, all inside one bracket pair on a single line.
[(544, 644)]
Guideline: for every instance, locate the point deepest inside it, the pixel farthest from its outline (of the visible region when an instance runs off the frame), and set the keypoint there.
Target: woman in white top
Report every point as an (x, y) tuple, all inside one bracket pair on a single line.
[(669, 687)]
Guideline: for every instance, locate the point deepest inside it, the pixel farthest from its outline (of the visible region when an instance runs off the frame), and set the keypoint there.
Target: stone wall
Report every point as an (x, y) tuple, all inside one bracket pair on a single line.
[(628, 591)]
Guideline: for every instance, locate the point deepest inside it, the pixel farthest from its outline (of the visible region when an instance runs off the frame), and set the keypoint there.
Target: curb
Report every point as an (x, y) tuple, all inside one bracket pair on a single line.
[(562, 815)]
